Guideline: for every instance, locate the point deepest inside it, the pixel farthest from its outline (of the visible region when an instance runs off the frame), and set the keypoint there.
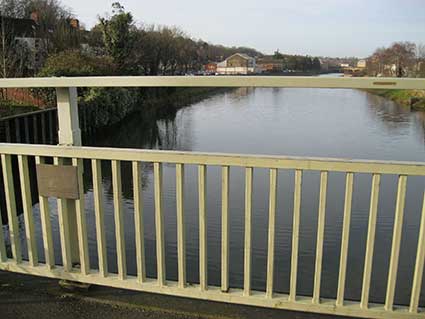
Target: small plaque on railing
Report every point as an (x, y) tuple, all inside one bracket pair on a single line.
[(59, 181)]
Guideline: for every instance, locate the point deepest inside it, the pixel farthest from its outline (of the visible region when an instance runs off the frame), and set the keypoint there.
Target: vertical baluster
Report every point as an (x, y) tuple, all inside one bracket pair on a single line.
[(119, 219), (18, 130), (35, 128), (99, 216), (51, 127), (419, 265), (203, 260), (81, 220), (271, 234), (27, 208), (370, 242), (345, 237), (3, 255), (181, 251), (64, 225), (320, 236), (225, 228), (138, 221), (248, 225), (85, 118), (43, 128), (295, 235), (9, 190), (46, 226), (7, 127), (27, 130), (395, 250), (159, 224)]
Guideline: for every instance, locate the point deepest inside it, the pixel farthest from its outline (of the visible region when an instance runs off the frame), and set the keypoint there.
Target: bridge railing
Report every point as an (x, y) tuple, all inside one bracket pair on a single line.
[(74, 245), (84, 273), (36, 127)]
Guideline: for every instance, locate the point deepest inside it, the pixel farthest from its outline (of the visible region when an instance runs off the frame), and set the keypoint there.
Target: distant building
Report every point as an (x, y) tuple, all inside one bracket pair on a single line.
[(344, 65), (26, 32), (210, 68), (238, 63), (361, 64), (270, 65)]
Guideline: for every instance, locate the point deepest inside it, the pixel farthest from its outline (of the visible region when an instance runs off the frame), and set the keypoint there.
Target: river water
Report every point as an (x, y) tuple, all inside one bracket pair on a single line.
[(303, 122)]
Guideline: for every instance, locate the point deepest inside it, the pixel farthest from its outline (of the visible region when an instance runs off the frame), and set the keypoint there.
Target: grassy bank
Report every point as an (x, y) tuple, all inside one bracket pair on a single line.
[(413, 98)]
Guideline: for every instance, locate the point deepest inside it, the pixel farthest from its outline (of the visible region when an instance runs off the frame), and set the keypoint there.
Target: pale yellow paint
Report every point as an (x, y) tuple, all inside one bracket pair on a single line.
[(220, 159), (81, 219), (138, 221), (225, 171), (46, 227), (217, 81), (181, 231), (419, 264), (271, 234), (320, 236), (395, 248), (295, 235), (9, 191), (349, 180), (203, 254), (73, 212), (159, 225), (99, 217), (247, 232), (119, 219), (236, 296), (27, 207), (370, 242)]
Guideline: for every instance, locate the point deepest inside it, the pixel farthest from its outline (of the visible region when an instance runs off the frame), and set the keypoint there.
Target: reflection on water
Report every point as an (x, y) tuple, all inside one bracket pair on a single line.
[(303, 122)]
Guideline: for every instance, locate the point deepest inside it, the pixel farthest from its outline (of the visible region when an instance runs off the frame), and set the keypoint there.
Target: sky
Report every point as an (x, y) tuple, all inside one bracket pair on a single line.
[(320, 28)]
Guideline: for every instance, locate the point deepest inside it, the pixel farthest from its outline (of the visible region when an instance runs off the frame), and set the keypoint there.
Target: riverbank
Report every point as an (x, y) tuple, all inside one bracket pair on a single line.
[(102, 107), (413, 98), (108, 106)]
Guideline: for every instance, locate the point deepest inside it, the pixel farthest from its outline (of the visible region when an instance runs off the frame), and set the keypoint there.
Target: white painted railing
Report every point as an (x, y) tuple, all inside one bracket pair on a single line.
[(74, 246)]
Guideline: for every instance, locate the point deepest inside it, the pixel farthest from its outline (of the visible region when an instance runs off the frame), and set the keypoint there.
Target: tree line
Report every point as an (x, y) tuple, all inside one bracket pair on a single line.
[(117, 43), (401, 59), (297, 62), (115, 40)]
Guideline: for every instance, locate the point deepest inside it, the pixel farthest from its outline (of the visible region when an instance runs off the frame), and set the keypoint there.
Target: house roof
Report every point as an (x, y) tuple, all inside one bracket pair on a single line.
[(243, 55)]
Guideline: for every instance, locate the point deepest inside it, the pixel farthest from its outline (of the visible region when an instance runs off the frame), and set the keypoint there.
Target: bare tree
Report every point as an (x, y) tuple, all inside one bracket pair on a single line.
[(14, 54), (420, 60), (403, 56)]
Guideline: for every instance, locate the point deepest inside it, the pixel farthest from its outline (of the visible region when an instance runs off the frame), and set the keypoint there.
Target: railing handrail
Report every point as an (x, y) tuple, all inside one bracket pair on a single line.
[(216, 81), (219, 159), (11, 117)]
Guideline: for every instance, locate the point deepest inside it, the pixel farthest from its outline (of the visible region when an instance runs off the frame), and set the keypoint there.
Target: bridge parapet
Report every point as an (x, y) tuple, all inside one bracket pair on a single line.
[(72, 217)]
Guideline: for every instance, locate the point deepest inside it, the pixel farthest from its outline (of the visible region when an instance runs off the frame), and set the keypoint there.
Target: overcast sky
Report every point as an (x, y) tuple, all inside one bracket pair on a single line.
[(325, 27)]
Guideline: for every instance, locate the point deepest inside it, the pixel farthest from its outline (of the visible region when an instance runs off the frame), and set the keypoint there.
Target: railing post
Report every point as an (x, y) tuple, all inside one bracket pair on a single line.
[(69, 134), (69, 129)]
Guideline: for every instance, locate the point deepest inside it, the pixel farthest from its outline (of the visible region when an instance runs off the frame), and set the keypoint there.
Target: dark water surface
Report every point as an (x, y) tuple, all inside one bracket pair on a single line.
[(302, 122)]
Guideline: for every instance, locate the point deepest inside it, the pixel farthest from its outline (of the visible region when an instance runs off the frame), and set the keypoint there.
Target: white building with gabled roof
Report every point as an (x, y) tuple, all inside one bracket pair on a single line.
[(238, 63)]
